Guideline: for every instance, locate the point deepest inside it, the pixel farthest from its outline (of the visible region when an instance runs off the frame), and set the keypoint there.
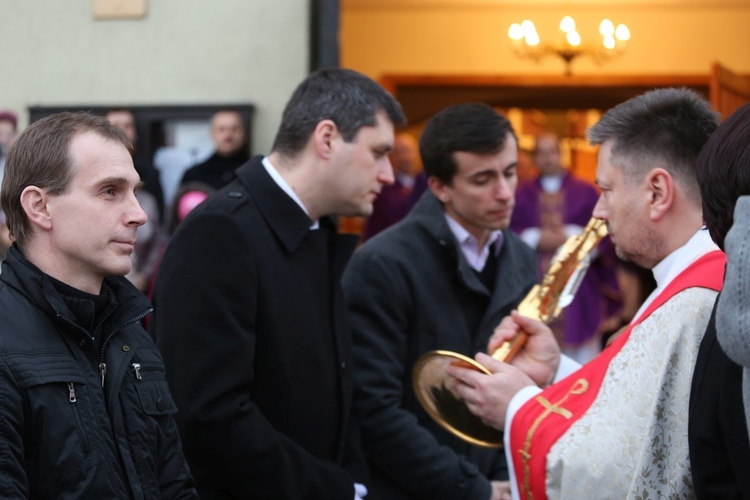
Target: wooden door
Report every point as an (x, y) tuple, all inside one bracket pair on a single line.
[(727, 90)]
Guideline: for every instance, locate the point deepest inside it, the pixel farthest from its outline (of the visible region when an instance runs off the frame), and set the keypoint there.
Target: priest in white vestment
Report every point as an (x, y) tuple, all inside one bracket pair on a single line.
[(617, 427)]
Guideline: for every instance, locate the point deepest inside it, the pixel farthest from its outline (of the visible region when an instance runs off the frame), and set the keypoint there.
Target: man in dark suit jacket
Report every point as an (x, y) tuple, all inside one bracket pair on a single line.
[(718, 418), (442, 278), (249, 310)]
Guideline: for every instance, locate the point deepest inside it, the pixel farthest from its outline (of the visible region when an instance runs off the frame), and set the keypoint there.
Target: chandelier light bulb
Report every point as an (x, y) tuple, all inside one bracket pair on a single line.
[(573, 47), (532, 38), (528, 27), (607, 28), (515, 32), (567, 24), (573, 38), (622, 32)]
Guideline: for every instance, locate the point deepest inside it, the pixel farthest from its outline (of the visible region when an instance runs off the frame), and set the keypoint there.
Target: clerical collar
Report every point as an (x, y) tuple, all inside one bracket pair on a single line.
[(676, 262), (475, 256), (279, 180), (551, 184)]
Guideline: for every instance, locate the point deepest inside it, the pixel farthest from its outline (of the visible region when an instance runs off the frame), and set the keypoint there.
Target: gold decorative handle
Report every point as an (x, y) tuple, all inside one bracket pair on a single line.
[(543, 303)]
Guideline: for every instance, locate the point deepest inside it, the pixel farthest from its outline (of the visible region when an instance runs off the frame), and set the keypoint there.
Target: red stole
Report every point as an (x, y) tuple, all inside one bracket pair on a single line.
[(542, 420)]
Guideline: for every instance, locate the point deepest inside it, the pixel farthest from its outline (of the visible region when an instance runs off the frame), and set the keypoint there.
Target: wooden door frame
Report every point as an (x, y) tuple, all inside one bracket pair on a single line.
[(435, 91)]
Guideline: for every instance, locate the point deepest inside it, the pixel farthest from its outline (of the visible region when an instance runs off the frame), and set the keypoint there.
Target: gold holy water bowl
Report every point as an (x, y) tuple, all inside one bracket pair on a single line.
[(544, 302)]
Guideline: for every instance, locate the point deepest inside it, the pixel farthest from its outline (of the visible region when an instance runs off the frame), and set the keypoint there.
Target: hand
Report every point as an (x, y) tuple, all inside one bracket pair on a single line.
[(550, 238), (488, 396), (540, 355), (500, 490)]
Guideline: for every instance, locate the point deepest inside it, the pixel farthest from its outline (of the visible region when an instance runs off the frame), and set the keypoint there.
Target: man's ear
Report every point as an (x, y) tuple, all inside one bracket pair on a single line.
[(439, 189), (661, 192), (34, 202), (323, 137)]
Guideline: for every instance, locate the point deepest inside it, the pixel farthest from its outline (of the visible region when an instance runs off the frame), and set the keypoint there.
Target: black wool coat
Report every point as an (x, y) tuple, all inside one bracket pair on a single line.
[(410, 290), (717, 429), (250, 319)]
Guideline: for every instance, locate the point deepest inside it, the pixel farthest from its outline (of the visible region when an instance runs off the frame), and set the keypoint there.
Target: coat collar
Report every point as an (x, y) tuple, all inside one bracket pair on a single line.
[(514, 276), (428, 213), (24, 276), (285, 218)]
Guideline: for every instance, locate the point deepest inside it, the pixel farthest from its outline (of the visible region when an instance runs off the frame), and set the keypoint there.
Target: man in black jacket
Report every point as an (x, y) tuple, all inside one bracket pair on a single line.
[(249, 310), (230, 140), (442, 278), (85, 410)]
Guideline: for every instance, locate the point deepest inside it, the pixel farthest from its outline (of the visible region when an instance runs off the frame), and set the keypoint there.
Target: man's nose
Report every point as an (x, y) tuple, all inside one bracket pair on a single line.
[(599, 209), (504, 190), (136, 215), (385, 176)]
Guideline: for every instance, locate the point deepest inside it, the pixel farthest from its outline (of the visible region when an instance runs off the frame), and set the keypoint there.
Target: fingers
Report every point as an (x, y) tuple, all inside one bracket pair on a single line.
[(489, 362), (506, 330), (529, 325)]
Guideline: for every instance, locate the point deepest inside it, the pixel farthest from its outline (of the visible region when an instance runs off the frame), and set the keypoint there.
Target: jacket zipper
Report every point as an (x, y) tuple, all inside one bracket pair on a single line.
[(81, 431), (102, 351), (102, 364)]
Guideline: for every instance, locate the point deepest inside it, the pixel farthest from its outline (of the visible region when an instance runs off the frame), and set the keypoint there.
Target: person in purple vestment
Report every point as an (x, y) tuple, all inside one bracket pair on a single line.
[(549, 209), (393, 203)]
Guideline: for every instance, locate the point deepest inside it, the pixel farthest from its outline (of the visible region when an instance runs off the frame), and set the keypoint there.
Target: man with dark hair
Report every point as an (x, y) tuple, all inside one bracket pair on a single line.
[(719, 416), (250, 315), (85, 410), (619, 423), (440, 279), (230, 140)]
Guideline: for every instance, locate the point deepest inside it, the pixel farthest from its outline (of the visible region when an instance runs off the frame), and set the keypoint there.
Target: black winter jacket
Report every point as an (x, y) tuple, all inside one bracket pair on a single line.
[(78, 418)]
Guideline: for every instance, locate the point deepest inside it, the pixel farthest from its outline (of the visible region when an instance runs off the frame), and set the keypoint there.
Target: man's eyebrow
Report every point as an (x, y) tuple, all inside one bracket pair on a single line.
[(117, 181)]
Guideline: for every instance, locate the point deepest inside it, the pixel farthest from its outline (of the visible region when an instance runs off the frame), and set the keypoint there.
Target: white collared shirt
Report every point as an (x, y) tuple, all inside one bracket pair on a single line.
[(279, 180), (676, 262), (475, 256)]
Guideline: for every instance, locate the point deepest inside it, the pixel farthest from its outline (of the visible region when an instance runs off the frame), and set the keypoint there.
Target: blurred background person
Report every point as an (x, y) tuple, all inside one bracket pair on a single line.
[(150, 236), (124, 119), (230, 138), (393, 203), (550, 208), (188, 196), (8, 130)]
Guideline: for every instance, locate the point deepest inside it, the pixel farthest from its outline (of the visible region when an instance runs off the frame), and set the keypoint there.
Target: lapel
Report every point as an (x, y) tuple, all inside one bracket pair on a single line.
[(429, 214), (289, 223), (511, 280)]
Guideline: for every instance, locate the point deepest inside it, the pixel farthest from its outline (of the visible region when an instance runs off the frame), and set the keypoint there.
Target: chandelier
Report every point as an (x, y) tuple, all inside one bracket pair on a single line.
[(526, 42)]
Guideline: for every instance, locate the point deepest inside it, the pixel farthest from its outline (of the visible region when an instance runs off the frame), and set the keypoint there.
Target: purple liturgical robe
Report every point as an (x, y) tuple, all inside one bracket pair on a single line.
[(598, 297)]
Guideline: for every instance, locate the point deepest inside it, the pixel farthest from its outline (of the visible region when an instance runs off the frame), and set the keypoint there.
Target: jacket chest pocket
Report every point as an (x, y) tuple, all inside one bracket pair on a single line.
[(60, 425), (151, 386)]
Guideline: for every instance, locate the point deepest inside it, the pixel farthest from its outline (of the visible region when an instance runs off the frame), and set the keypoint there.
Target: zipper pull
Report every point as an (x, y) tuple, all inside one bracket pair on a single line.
[(103, 371), (71, 392), (137, 370)]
